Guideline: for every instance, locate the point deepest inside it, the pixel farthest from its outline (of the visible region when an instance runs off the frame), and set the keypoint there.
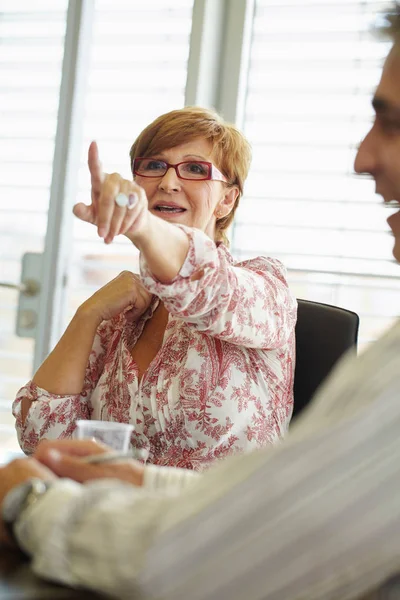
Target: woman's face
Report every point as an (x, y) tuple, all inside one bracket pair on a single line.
[(192, 203)]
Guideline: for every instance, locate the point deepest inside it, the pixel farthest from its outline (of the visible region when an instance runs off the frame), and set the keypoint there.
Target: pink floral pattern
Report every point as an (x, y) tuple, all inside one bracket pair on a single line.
[(222, 381)]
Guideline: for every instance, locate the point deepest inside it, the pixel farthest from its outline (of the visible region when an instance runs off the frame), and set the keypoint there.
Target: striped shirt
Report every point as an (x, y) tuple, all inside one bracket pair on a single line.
[(316, 517)]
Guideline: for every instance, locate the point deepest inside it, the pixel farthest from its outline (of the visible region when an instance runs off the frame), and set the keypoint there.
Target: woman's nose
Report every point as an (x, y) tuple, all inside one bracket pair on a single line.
[(170, 181)]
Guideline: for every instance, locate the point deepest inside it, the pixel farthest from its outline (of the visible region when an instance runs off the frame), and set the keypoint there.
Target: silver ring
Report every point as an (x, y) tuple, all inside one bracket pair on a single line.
[(121, 200)]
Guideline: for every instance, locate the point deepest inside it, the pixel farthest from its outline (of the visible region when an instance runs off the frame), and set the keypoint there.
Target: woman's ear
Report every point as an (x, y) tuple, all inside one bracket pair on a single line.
[(227, 203)]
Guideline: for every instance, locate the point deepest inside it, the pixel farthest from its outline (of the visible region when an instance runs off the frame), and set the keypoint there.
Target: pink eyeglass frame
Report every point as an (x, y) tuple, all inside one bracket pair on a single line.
[(214, 174)]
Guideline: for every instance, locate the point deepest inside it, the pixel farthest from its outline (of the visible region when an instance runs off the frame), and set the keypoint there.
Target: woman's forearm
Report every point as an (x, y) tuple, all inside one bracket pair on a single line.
[(63, 371), (164, 247)]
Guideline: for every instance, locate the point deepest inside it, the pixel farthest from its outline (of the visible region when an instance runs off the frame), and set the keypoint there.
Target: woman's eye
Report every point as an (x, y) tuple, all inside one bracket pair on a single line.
[(196, 168), (155, 165)]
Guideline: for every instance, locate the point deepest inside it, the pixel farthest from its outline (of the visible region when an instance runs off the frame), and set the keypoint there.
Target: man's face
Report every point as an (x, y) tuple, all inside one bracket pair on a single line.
[(379, 153)]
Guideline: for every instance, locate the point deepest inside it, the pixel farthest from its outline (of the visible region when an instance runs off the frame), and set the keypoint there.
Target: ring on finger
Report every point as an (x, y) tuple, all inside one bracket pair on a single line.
[(132, 200), (121, 200)]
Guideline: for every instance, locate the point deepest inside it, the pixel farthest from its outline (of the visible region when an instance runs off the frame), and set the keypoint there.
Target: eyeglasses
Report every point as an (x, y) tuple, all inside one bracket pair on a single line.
[(199, 170)]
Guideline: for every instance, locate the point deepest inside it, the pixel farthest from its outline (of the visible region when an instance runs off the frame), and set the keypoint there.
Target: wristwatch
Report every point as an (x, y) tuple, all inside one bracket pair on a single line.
[(19, 499)]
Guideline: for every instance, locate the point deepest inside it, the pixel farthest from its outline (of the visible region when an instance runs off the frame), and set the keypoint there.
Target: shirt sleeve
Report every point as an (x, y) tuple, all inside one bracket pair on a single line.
[(315, 517), (168, 478), (53, 416), (247, 304)]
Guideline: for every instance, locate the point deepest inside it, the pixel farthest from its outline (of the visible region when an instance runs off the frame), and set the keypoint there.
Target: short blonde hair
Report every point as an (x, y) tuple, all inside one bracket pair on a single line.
[(231, 150)]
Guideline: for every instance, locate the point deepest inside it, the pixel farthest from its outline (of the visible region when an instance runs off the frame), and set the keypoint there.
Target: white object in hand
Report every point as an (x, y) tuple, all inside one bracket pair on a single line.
[(115, 435)]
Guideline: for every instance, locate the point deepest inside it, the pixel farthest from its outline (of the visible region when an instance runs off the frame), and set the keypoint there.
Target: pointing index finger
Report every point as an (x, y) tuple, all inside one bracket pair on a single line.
[(95, 167)]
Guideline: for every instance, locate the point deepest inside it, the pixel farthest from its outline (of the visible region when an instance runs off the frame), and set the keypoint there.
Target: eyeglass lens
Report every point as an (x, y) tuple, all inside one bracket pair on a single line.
[(158, 168)]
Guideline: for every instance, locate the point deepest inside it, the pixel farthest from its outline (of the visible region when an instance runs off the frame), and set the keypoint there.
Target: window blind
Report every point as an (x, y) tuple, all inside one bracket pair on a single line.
[(313, 69), (31, 50), (138, 71)]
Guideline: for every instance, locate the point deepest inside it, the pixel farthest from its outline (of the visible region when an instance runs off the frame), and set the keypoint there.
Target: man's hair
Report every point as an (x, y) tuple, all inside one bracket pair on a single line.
[(231, 151), (389, 23)]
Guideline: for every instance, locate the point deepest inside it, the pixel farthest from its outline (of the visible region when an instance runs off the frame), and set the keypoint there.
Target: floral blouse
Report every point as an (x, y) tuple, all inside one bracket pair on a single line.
[(222, 381)]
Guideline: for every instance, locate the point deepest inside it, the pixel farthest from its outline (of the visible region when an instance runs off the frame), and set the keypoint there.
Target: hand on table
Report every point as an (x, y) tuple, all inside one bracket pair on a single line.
[(64, 459), (14, 473), (111, 219)]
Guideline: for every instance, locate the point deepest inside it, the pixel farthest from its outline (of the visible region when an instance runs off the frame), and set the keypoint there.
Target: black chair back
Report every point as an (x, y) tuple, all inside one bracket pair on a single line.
[(323, 334)]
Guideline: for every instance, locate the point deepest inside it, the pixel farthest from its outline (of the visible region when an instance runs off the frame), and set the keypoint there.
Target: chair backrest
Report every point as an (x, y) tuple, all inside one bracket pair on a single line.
[(323, 334)]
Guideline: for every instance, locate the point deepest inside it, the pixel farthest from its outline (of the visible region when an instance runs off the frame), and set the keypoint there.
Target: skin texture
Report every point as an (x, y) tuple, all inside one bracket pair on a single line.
[(379, 152)]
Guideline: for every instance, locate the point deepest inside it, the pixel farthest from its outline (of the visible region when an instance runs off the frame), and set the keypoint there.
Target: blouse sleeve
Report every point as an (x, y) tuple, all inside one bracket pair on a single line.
[(53, 416), (247, 304)]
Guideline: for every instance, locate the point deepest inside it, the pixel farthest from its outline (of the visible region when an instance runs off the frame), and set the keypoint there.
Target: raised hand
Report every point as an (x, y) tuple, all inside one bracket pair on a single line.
[(119, 206), (121, 292)]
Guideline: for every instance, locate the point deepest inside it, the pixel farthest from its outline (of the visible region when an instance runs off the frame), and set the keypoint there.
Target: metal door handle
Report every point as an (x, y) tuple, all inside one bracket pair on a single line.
[(29, 287)]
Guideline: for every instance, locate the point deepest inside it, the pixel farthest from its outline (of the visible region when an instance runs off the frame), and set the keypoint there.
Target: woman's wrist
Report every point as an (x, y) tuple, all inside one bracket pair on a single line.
[(88, 313), (164, 249), (146, 233)]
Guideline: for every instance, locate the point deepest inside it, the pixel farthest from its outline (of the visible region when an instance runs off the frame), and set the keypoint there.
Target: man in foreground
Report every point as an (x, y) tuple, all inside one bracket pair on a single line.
[(316, 517)]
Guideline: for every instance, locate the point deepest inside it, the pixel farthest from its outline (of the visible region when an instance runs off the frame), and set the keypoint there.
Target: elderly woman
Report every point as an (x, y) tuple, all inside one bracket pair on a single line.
[(197, 352)]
